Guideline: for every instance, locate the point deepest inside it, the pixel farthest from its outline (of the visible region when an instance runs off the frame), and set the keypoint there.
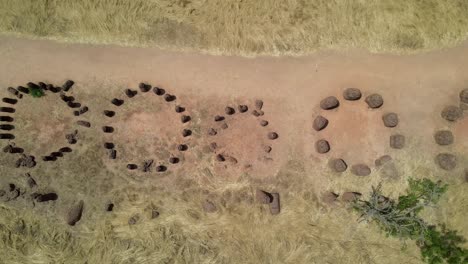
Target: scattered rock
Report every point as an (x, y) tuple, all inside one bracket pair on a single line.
[(275, 206), (322, 146), (320, 123), (329, 103), (329, 198), (360, 170), (451, 113), (464, 96), (209, 207), (243, 108), (179, 109), (443, 137), (263, 197), (390, 119), (446, 161), (338, 165), (83, 123), (350, 196), (144, 87), (46, 197), (229, 110), (212, 132), (374, 100), (130, 93), (258, 104), (264, 123), (30, 181), (218, 118), (68, 85), (352, 94), (382, 160), (134, 219), (109, 113), (272, 135), (74, 213), (26, 161), (159, 91), (397, 141)]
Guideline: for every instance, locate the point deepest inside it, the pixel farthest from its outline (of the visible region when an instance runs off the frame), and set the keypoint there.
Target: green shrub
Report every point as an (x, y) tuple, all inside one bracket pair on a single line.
[(36, 92)]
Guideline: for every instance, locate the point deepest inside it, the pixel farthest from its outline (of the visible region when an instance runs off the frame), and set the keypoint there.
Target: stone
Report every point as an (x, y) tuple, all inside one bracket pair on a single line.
[(68, 85), (26, 161), (132, 166), (218, 118), (6, 119), (329, 103), (83, 110), (182, 147), (257, 113), (360, 170), (186, 132), (112, 154), (161, 168), (444, 137), (7, 110), (212, 132), (130, 93), (169, 97), (374, 101), (65, 150), (117, 102), (320, 123), (6, 127), (14, 92), (264, 123), (147, 165), (224, 125), (144, 87), (446, 161), (109, 113), (174, 160), (338, 165), (74, 104), (322, 146), (272, 135), (350, 196), (451, 113), (49, 158), (108, 129), (352, 94), (209, 207), (275, 205), (75, 213), (9, 101), (267, 149), (329, 198), (134, 219), (159, 91), (390, 119), (46, 197), (109, 207), (382, 160), (7, 136), (154, 214), (179, 109), (397, 141), (220, 158), (263, 197), (229, 110), (30, 181), (185, 118), (109, 145), (464, 96), (72, 138), (83, 123), (23, 89), (258, 104), (389, 171), (243, 108), (56, 154)]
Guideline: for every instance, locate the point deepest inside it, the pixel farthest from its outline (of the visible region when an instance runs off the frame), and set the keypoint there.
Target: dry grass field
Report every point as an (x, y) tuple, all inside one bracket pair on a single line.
[(248, 27)]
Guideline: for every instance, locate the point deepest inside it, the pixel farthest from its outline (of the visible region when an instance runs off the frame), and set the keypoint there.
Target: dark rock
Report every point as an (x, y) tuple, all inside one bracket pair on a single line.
[(161, 168), (144, 87), (23, 89), (7, 110), (43, 86), (117, 102), (275, 205), (329, 198), (109, 145), (186, 132), (83, 123), (154, 214), (109, 207), (263, 197), (243, 108), (444, 137), (83, 110), (329, 103), (54, 89), (9, 100), (322, 146), (212, 132), (112, 154), (185, 118), (7, 136), (218, 118), (66, 99), (6, 127), (56, 154), (209, 207), (130, 93), (352, 94), (179, 109), (49, 158), (76, 113), (257, 113), (220, 158), (182, 147), (360, 170), (263, 123), (229, 110), (68, 85), (446, 161), (320, 123), (65, 150), (174, 160), (397, 141), (390, 119), (464, 96), (109, 113), (382, 160), (350, 196), (14, 92), (72, 138), (32, 85), (159, 91), (272, 135), (108, 129), (75, 213), (267, 149), (374, 100), (258, 104), (6, 119), (74, 104), (26, 161), (132, 166), (451, 113), (338, 165), (169, 97), (147, 165), (47, 197)]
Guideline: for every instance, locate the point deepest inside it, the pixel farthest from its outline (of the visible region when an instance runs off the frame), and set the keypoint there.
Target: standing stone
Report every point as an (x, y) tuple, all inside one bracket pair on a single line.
[(322, 146), (444, 137), (446, 161), (68, 85), (374, 100), (390, 119), (352, 94), (397, 141), (74, 213), (329, 103), (320, 123), (451, 113)]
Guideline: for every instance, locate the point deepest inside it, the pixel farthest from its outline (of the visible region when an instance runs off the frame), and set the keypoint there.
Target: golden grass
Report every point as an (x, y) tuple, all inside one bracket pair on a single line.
[(249, 27)]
